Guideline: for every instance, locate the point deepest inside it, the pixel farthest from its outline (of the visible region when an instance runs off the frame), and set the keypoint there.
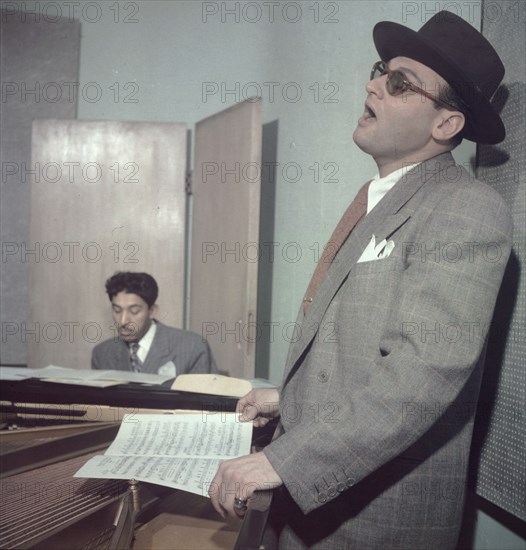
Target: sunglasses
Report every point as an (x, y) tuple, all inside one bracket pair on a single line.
[(397, 83)]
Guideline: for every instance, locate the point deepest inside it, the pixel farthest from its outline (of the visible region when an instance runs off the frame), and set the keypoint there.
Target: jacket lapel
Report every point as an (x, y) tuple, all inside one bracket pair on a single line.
[(122, 357), (395, 208)]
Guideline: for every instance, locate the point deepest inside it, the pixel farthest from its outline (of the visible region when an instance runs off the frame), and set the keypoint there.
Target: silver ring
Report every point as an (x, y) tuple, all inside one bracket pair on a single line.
[(240, 504)]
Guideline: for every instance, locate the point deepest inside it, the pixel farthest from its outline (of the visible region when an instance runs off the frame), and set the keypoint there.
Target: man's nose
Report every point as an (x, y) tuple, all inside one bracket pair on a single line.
[(124, 318), (376, 86)]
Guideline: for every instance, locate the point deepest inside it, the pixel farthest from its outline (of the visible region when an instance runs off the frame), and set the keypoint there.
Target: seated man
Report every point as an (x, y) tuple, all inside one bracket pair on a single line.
[(144, 344)]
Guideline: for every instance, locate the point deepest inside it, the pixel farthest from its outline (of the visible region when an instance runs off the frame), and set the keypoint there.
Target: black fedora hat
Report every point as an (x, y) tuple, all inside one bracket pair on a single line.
[(461, 56)]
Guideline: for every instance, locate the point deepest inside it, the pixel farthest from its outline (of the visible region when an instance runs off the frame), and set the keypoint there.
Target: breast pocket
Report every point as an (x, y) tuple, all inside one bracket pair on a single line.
[(374, 267), (372, 284)]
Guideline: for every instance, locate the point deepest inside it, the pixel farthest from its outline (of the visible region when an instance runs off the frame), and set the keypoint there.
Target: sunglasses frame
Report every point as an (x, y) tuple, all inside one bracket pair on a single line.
[(382, 68)]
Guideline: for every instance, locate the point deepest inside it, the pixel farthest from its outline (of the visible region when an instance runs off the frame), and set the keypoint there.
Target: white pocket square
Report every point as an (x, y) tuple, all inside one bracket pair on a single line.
[(168, 369), (375, 251)]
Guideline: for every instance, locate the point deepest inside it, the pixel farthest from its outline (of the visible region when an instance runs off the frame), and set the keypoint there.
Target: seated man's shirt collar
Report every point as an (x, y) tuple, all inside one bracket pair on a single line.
[(145, 342)]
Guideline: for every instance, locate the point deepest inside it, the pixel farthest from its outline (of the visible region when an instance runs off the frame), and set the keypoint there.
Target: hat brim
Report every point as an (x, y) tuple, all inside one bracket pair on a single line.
[(395, 40)]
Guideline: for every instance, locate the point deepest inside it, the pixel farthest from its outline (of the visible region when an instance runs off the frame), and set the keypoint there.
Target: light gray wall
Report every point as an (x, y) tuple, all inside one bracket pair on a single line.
[(489, 534), (160, 54)]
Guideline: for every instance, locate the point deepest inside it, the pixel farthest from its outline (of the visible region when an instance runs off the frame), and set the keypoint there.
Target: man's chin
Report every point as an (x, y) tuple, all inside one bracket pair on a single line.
[(360, 141)]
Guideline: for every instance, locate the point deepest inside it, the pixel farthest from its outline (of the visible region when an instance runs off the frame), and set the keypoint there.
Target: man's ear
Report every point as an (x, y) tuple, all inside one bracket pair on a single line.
[(447, 125), (154, 310)]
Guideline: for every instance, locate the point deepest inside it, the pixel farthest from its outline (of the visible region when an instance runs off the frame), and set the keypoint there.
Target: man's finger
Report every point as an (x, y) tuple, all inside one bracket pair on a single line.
[(260, 422), (249, 412), (214, 494), (219, 509)]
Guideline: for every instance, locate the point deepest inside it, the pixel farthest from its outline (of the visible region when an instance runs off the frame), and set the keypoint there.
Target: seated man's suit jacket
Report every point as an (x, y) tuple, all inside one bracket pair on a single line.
[(185, 349), (380, 388)]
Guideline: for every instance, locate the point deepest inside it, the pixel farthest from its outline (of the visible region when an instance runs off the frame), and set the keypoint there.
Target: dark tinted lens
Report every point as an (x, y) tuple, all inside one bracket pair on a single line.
[(395, 84)]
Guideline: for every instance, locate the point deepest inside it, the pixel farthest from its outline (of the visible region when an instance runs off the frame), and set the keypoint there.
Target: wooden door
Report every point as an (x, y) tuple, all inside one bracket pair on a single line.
[(225, 235), (109, 197)]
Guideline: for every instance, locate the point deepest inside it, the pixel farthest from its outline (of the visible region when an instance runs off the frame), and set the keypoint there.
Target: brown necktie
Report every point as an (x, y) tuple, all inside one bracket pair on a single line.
[(354, 213)]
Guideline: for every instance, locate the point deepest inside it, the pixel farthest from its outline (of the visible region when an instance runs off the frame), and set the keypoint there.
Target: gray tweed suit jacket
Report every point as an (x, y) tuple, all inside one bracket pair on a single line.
[(186, 349), (381, 386)]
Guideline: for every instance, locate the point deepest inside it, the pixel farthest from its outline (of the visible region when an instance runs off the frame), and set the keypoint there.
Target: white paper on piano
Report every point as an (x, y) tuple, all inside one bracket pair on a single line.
[(16, 373), (53, 373), (213, 384), (182, 451)]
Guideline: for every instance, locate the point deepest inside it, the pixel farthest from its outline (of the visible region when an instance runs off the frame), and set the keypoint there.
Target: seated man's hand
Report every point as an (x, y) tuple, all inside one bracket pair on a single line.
[(238, 479), (259, 405)]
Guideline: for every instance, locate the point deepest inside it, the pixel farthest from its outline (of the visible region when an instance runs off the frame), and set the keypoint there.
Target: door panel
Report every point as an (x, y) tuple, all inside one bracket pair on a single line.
[(225, 235)]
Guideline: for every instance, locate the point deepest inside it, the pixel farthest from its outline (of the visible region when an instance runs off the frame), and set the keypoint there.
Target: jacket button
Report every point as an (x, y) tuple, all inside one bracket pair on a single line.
[(331, 491), (323, 376), (322, 497), (341, 487), (350, 482)]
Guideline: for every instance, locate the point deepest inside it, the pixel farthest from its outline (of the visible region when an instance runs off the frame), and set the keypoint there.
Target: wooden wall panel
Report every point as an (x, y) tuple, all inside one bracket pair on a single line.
[(226, 188), (110, 197)]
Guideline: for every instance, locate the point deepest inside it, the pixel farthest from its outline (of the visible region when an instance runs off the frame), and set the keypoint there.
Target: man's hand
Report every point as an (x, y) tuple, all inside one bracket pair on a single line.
[(239, 478), (260, 405)]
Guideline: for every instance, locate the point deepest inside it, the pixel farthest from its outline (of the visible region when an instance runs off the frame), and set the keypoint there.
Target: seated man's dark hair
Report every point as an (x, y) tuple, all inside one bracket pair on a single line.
[(142, 284)]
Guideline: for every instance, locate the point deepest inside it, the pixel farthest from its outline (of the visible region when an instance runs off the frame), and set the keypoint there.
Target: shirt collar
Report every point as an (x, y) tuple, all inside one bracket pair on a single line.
[(145, 342), (379, 187)]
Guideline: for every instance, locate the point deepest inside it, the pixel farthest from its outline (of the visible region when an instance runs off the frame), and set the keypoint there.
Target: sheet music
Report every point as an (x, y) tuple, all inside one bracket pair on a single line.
[(16, 373), (182, 451), (90, 377)]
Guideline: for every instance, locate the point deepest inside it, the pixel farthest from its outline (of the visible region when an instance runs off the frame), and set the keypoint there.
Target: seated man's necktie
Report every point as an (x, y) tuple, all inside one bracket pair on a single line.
[(135, 362)]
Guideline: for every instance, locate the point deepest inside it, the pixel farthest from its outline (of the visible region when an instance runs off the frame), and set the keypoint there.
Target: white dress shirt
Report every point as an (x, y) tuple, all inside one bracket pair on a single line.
[(380, 186), (145, 342)]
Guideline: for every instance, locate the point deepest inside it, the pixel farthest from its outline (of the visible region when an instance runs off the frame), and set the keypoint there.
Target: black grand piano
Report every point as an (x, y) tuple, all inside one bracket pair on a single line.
[(50, 430)]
